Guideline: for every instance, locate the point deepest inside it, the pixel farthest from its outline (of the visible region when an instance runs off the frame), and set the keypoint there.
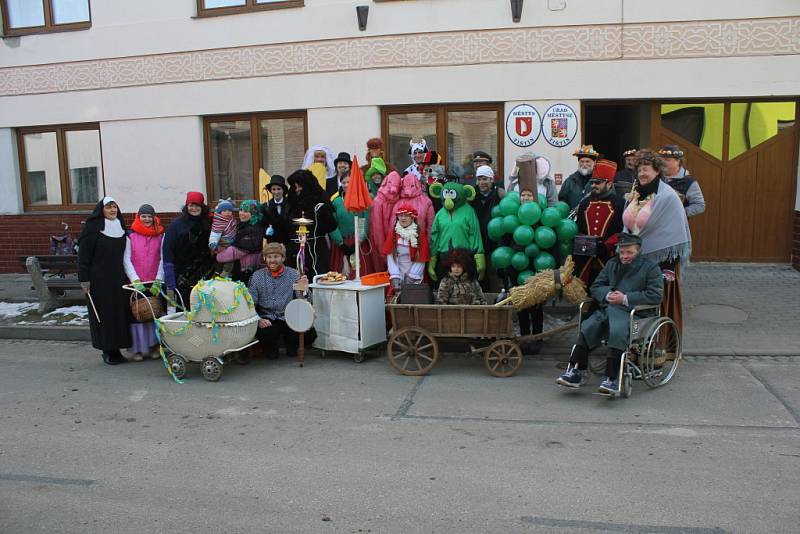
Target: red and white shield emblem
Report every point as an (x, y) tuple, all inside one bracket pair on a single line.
[(524, 126)]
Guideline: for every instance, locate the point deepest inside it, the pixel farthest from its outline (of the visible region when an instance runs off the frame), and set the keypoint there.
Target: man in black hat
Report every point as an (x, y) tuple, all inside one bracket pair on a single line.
[(343, 164), (276, 211), (626, 281)]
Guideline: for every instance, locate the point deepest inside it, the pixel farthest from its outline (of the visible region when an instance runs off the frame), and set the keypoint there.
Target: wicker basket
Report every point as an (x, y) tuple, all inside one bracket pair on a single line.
[(222, 299), (142, 311), (194, 341)]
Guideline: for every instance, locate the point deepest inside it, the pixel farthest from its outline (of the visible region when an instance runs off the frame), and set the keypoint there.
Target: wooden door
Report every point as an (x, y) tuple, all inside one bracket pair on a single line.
[(749, 199)]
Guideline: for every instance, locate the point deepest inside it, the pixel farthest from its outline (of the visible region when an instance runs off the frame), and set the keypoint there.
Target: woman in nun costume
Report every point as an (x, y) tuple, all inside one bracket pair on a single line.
[(102, 274)]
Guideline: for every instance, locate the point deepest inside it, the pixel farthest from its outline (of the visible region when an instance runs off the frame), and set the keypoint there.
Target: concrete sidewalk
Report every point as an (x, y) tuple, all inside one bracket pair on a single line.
[(729, 309)]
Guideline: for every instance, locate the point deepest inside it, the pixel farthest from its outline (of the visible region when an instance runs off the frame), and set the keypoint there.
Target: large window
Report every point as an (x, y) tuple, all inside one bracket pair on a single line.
[(210, 8), (61, 166), (238, 146), (37, 16), (455, 131)]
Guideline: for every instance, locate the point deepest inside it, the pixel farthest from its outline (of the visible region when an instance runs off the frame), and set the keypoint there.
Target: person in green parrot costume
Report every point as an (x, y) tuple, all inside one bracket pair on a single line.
[(454, 226)]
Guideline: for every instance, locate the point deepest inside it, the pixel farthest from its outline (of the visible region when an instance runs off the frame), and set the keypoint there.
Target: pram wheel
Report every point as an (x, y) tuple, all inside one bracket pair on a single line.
[(211, 369), (178, 366)]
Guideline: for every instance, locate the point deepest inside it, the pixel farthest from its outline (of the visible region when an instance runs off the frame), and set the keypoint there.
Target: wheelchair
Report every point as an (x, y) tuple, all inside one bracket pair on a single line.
[(653, 354)]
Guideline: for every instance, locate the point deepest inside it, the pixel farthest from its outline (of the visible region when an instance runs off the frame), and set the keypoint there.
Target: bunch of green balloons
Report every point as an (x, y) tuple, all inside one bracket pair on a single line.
[(538, 235)]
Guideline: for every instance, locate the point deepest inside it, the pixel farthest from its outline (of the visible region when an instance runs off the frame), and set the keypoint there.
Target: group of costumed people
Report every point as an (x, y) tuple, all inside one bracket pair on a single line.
[(421, 227)]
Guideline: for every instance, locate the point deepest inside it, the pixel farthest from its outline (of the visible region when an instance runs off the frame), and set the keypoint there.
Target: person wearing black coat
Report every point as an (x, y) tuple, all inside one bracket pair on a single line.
[(185, 252), (308, 199), (275, 213), (102, 274)]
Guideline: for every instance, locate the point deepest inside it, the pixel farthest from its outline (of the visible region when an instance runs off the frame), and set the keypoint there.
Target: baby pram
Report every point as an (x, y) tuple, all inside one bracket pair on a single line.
[(221, 322)]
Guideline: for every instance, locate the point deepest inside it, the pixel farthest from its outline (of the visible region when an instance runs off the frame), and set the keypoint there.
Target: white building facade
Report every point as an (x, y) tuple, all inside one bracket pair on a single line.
[(147, 100)]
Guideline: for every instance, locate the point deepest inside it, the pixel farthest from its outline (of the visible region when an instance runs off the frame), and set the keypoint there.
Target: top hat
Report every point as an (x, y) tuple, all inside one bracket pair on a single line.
[(343, 156), (277, 179)]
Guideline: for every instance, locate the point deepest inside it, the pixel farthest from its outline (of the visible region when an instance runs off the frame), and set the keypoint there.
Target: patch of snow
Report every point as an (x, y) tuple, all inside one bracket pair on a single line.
[(15, 309), (79, 311)]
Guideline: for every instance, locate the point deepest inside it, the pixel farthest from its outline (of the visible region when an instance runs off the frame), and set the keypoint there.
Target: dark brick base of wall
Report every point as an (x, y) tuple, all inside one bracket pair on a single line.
[(29, 235), (796, 241)]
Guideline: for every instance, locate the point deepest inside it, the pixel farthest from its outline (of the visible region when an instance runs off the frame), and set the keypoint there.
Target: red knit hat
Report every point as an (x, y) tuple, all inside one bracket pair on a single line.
[(195, 197), (405, 209), (605, 170)]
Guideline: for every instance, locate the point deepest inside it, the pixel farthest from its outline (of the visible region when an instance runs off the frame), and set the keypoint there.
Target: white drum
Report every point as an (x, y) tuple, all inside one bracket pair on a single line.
[(299, 315)]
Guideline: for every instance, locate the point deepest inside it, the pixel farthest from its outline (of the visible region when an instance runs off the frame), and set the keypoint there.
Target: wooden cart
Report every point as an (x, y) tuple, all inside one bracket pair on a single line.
[(413, 348)]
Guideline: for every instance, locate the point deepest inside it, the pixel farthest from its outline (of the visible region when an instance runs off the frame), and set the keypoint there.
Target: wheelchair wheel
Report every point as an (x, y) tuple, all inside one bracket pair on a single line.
[(661, 353), (627, 385)]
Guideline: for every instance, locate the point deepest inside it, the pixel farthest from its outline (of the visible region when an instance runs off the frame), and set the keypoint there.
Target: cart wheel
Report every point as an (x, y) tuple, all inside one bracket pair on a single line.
[(503, 358), (412, 351), (627, 385), (178, 365), (211, 369), (661, 354), (243, 357), (359, 357)]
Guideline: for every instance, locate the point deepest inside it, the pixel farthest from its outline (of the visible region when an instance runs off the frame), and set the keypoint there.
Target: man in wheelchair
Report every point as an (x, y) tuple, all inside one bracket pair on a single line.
[(625, 282)]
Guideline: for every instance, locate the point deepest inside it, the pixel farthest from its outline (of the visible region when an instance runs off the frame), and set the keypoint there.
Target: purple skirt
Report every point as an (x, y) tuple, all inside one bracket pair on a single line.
[(144, 337)]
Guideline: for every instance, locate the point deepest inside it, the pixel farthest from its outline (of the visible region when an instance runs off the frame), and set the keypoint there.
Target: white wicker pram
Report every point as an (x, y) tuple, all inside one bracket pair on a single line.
[(221, 323)]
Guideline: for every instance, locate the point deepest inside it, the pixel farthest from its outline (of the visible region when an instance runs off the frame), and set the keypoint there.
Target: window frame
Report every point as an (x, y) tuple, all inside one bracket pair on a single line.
[(442, 140), (48, 27), (250, 6), (255, 141), (63, 165)]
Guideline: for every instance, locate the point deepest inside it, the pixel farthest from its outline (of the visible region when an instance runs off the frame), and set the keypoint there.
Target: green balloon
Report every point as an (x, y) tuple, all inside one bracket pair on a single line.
[(501, 257), (514, 195), (509, 206), (566, 229), (519, 261), (529, 213), (542, 201), (532, 250), (496, 212), (523, 276), (563, 208), (495, 228), (543, 261), (523, 235), (565, 248), (545, 237), (551, 217), (510, 223)]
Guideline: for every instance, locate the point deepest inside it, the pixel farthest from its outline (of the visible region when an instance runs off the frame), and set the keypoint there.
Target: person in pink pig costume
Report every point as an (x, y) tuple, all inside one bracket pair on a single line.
[(411, 193), (382, 216)]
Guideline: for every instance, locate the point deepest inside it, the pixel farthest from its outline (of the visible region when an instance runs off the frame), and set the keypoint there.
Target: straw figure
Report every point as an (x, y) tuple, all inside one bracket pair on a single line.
[(543, 285)]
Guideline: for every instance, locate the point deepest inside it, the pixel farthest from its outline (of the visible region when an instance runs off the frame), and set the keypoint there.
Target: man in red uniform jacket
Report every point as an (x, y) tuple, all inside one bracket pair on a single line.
[(600, 216)]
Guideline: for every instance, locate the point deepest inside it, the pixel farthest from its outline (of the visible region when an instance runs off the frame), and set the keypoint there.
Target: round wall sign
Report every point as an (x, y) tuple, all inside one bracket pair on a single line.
[(523, 125), (560, 125)]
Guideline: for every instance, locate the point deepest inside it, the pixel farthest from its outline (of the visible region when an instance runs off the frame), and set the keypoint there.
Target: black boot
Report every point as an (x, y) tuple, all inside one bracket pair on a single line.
[(109, 358)]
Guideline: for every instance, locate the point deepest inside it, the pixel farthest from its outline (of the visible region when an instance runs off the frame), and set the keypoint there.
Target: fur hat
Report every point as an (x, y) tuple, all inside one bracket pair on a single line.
[(274, 248), (463, 257), (376, 143)]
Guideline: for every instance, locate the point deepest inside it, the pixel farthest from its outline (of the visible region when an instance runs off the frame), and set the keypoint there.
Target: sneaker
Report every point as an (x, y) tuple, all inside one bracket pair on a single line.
[(572, 378), (608, 386)]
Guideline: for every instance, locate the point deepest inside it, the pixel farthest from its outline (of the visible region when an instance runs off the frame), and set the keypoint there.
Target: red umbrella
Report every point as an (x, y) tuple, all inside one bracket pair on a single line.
[(357, 200)]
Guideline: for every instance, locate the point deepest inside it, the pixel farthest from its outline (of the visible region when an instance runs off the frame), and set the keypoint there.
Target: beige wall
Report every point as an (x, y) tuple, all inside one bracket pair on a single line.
[(344, 129), (122, 29), (153, 161)]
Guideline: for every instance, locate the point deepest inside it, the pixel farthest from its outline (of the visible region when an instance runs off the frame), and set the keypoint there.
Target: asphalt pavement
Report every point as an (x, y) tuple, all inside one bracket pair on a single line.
[(343, 447)]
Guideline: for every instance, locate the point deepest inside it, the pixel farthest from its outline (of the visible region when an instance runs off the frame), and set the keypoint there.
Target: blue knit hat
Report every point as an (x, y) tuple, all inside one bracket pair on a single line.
[(224, 205)]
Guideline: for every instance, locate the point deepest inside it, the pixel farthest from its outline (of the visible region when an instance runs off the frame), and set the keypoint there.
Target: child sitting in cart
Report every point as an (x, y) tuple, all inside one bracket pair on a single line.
[(406, 248), (460, 286)]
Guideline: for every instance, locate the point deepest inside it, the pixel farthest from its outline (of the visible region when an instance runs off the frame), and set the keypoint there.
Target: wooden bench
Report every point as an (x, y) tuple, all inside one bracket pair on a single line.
[(52, 276)]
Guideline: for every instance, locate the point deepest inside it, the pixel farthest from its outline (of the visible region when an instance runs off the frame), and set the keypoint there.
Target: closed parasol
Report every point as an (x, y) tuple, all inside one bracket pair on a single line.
[(357, 201)]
